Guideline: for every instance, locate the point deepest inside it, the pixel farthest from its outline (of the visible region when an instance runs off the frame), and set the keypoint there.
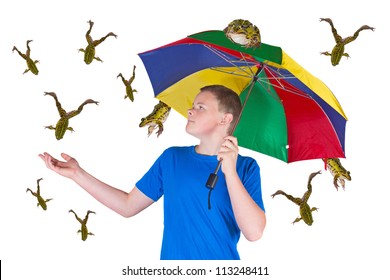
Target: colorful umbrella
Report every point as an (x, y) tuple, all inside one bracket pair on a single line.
[(288, 113)]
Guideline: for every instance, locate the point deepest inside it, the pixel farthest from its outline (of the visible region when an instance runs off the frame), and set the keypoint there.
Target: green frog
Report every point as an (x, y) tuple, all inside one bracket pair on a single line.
[(156, 118), (31, 64), (41, 201), (84, 230), (338, 50), (243, 32), (89, 51), (63, 123), (129, 90), (304, 208), (339, 173)]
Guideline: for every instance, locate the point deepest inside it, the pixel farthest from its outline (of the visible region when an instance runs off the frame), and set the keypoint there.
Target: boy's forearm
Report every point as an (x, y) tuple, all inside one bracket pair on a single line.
[(249, 216)]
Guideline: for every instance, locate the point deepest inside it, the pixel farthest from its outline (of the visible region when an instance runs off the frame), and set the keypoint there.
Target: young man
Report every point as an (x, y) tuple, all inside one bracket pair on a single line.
[(191, 230)]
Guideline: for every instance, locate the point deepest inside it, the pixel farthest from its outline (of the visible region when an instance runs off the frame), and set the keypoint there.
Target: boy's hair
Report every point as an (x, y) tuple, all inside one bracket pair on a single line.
[(228, 102)]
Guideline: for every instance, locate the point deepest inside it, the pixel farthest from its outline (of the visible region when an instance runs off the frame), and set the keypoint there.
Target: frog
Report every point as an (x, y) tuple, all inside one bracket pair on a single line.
[(338, 50), (84, 230), (304, 208), (339, 173), (41, 201), (129, 90), (31, 64), (155, 119), (90, 50), (63, 123), (244, 33)]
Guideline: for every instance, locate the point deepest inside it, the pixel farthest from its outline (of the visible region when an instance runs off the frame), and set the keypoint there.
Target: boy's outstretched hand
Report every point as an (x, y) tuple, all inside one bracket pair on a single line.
[(67, 168)]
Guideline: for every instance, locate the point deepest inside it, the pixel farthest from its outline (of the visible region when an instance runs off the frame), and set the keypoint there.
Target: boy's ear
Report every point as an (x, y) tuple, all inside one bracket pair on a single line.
[(227, 118)]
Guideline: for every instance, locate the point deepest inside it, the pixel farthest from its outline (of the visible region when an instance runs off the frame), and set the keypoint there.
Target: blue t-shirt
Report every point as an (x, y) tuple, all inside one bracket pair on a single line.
[(192, 231)]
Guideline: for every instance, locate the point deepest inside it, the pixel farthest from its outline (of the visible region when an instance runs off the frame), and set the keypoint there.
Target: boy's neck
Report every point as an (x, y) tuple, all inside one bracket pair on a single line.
[(208, 148)]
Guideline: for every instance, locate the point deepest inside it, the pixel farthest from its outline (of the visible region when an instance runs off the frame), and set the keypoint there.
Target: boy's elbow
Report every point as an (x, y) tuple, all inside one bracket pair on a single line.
[(256, 232)]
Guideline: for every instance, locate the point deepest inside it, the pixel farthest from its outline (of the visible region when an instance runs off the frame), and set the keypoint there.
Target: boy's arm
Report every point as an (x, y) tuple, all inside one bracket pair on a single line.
[(125, 204)]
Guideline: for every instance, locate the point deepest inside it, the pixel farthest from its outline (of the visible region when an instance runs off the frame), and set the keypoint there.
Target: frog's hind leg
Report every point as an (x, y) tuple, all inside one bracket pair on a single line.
[(123, 79), (80, 108), (86, 216), (133, 76), (356, 34), (77, 218), (61, 111), (309, 186), (38, 187), (336, 36), (87, 35), (20, 53), (98, 42), (296, 200)]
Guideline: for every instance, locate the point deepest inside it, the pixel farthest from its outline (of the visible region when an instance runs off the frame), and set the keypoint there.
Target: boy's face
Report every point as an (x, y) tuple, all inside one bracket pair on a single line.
[(204, 116)]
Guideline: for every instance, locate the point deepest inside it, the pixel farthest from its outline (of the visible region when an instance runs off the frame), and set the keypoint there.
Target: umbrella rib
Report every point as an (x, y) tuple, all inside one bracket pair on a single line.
[(234, 63)]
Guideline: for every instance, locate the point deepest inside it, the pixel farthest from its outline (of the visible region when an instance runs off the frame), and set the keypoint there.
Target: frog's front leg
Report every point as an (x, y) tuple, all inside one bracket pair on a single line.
[(160, 128), (337, 179), (296, 220), (336, 36)]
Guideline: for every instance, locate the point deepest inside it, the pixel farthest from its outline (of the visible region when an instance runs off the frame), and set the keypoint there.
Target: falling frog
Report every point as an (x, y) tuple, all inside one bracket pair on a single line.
[(338, 49), (31, 64), (156, 118), (89, 51), (243, 32), (41, 201), (339, 173), (63, 123), (129, 90), (84, 230), (304, 208)]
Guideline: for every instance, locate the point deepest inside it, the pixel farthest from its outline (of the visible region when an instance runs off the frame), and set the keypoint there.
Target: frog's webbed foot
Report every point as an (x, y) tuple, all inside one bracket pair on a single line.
[(88, 101), (346, 55), (326, 53), (312, 175), (70, 129), (277, 193), (47, 200)]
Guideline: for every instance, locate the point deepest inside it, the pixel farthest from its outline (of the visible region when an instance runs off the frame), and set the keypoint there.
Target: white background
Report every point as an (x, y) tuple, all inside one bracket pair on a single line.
[(349, 237)]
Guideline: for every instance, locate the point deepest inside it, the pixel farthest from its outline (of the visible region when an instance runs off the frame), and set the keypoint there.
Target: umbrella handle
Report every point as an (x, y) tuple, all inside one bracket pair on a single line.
[(213, 178)]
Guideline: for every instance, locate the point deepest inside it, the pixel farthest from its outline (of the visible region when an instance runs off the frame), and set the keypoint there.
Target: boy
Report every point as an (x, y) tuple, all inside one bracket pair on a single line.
[(191, 230)]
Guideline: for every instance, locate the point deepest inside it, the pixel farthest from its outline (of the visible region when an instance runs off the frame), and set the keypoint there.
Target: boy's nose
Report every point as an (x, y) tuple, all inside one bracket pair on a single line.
[(190, 113)]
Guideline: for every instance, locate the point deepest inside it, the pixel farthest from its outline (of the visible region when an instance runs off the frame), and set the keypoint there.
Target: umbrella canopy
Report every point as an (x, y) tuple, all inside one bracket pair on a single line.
[(288, 113)]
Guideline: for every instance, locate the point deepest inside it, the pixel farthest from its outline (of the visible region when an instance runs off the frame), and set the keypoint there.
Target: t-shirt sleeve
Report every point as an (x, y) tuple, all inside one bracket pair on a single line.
[(252, 183), (151, 184)]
